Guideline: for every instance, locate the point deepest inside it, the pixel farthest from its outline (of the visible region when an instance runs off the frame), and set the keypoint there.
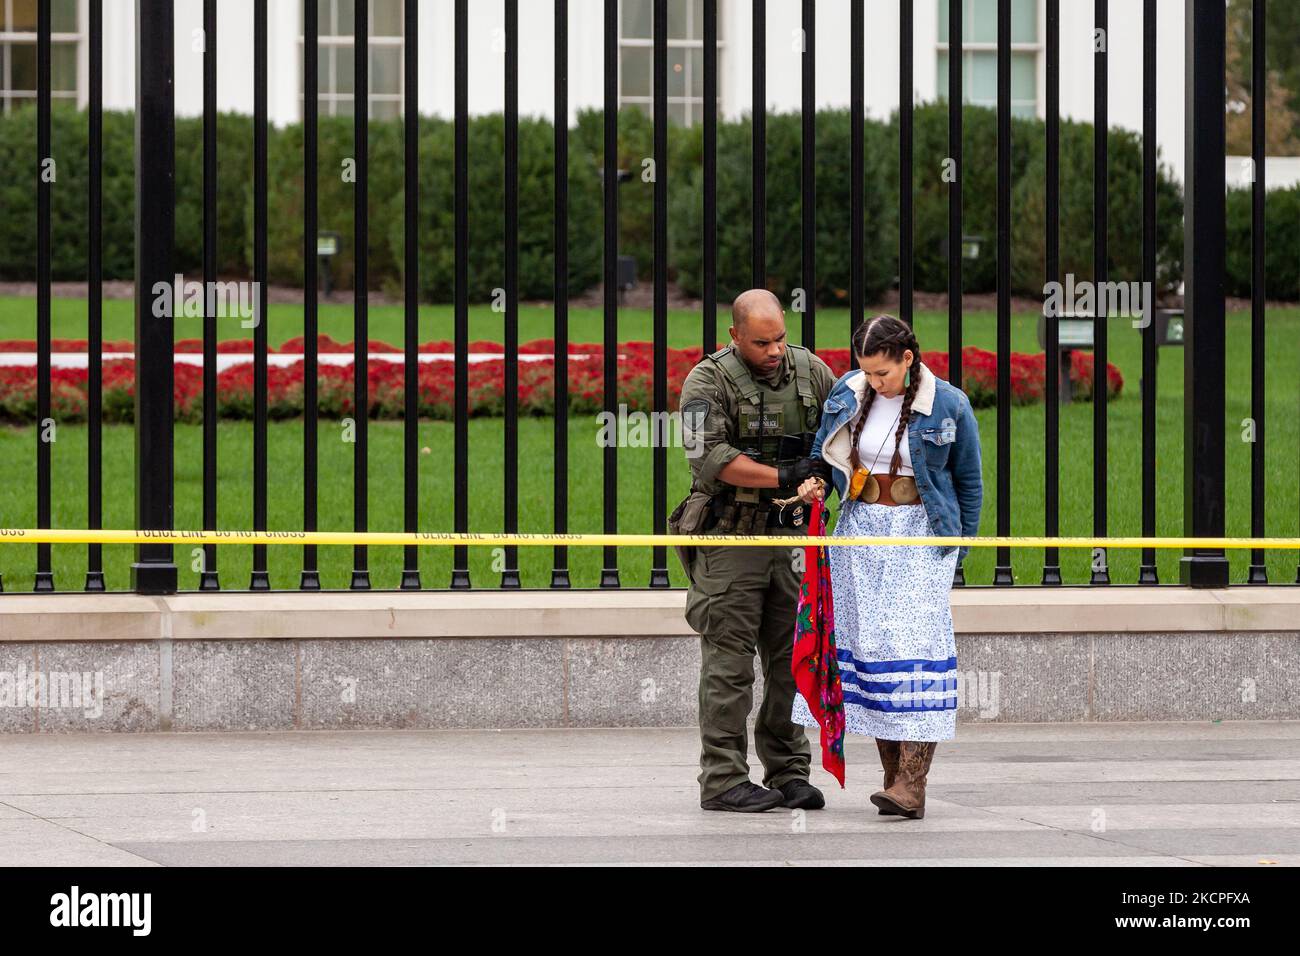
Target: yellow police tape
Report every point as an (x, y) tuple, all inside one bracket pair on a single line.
[(484, 538)]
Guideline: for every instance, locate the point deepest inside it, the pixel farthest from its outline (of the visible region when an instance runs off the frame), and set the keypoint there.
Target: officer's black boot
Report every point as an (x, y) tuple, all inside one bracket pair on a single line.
[(747, 797), (800, 794)]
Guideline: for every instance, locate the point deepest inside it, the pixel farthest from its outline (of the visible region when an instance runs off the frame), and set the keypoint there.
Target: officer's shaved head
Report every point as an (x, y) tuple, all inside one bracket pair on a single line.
[(755, 302), (758, 329)]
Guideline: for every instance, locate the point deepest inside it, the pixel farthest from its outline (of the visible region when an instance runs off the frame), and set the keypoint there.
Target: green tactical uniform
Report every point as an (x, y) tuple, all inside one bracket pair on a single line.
[(743, 599)]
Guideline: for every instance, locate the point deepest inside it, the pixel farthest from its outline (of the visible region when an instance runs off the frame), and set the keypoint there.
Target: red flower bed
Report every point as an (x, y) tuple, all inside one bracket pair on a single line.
[(69, 345), (436, 381)]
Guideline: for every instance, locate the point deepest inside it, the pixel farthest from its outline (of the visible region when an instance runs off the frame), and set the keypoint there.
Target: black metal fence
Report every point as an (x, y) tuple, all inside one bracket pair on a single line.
[(154, 570)]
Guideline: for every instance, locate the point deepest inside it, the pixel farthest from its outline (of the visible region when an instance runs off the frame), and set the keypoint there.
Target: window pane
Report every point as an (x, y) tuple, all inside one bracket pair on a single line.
[(1024, 21), (636, 71), (384, 109), (942, 82), (63, 16), (63, 67), (344, 69), (324, 23), (324, 56), (386, 18), (24, 18), (22, 66), (697, 113), (637, 22), (943, 20), (697, 71), (980, 21), (385, 69), (347, 14), (697, 19), (1024, 77), (676, 71), (343, 107), (983, 79), (678, 20)]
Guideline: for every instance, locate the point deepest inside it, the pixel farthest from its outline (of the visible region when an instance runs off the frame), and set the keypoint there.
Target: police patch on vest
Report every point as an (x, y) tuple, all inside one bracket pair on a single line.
[(773, 423), (694, 414)]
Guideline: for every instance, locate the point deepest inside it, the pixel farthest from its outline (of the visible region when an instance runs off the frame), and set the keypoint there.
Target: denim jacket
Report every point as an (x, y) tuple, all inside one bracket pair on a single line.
[(943, 439)]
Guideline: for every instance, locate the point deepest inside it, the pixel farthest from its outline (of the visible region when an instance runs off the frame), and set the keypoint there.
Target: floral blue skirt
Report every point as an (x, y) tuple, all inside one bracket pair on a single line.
[(893, 628)]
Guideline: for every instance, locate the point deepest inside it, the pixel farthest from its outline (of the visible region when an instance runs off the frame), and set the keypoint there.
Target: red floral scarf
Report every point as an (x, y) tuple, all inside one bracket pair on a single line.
[(814, 663)]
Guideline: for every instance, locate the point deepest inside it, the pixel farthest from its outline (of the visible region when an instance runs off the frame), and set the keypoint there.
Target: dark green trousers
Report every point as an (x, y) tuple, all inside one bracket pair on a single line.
[(743, 602)]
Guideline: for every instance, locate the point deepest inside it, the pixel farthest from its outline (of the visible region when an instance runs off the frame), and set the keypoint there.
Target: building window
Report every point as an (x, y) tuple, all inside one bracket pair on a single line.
[(685, 58), (979, 29), (18, 53), (337, 49)]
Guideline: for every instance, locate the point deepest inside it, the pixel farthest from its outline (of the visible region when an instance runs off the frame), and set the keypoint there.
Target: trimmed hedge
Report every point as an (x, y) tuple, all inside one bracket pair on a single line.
[(69, 200), (485, 146), (486, 266), (1281, 242)]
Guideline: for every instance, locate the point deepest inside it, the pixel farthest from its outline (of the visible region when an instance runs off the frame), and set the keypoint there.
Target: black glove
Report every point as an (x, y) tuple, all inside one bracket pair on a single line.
[(796, 473)]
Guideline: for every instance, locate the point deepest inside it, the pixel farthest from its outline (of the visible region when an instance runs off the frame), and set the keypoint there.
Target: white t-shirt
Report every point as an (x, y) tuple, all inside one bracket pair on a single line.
[(878, 436)]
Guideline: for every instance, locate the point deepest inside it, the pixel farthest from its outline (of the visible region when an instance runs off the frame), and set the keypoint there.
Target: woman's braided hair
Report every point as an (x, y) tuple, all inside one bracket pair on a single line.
[(893, 336)]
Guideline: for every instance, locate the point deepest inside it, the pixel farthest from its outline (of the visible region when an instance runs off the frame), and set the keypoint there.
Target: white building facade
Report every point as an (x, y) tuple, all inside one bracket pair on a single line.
[(536, 66)]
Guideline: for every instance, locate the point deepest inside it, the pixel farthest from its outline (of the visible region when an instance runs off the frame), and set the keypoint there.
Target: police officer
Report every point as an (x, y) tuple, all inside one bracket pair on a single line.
[(750, 413)]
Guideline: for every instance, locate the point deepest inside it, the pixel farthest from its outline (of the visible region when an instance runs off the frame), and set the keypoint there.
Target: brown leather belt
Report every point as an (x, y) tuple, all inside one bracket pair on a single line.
[(885, 484)]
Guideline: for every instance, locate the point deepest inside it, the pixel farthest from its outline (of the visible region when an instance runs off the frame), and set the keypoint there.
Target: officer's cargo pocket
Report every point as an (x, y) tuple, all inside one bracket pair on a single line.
[(688, 518), (704, 591)]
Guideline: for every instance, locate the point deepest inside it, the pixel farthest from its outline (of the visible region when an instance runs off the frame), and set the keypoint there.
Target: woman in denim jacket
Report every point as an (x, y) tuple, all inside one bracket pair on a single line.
[(904, 450)]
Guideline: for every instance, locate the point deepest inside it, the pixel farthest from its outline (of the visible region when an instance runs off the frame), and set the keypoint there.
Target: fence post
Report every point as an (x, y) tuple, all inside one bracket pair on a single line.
[(153, 571), (1203, 261)]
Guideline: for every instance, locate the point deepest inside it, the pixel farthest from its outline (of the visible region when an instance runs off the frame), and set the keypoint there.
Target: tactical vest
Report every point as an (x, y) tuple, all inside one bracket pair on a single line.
[(776, 425)]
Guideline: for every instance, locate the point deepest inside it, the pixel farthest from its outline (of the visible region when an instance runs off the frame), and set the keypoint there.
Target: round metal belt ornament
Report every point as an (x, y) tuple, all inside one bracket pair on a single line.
[(903, 490)]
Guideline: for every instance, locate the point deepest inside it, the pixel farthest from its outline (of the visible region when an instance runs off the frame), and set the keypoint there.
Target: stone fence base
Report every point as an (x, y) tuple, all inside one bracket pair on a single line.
[(329, 661)]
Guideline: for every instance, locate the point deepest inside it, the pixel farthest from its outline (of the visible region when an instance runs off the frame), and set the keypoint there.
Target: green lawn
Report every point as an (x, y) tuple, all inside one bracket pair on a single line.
[(17, 460)]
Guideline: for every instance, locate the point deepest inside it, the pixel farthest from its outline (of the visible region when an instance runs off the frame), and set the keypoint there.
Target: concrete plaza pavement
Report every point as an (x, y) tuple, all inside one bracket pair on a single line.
[(1099, 794)]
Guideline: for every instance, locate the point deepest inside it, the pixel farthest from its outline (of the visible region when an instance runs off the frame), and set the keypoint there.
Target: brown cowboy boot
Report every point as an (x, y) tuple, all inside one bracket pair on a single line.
[(889, 760), (907, 796)]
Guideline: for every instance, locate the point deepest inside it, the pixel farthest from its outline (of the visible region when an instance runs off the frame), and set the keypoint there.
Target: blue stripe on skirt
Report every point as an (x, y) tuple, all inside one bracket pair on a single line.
[(892, 617)]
